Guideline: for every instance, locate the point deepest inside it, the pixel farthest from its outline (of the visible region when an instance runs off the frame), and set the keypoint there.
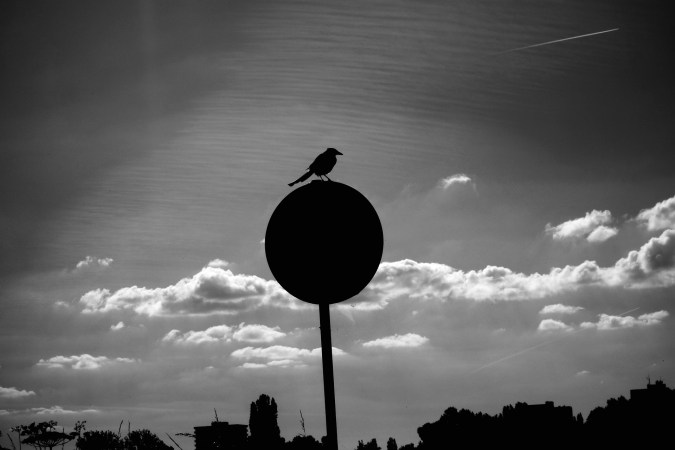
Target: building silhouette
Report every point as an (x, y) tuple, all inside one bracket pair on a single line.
[(221, 436)]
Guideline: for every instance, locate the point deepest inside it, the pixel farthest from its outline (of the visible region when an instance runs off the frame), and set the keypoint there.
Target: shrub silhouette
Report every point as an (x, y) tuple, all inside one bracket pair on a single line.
[(99, 440)]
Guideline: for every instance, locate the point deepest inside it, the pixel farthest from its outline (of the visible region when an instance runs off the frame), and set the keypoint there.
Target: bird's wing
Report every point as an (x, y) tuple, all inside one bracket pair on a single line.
[(319, 161)]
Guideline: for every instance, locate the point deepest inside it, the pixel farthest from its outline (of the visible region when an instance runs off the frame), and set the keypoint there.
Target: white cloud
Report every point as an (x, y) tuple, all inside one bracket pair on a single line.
[(92, 262), (219, 333), (601, 234), (222, 333), (211, 290), (659, 216), (56, 410), (220, 263), (12, 393), (278, 355), (117, 326), (653, 265), (560, 309), (656, 257), (257, 333), (592, 227), (398, 341), (607, 322), (458, 178), (582, 373), (82, 362), (553, 325)]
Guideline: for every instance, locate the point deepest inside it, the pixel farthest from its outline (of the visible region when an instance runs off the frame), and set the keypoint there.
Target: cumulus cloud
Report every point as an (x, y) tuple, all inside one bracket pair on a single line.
[(458, 178), (118, 326), (398, 341), (219, 333), (559, 308), (657, 256), (607, 322), (653, 265), (659, 216), (13, 393), (92, 262), (255, 333), (82, 362), (553, 325), (216, 291), (221, 263), (212, 290), (593, 227), (278, 356), (601, 234)]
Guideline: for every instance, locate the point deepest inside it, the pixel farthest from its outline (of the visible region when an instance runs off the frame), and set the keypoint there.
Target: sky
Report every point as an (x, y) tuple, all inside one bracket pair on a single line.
[(527, 198)]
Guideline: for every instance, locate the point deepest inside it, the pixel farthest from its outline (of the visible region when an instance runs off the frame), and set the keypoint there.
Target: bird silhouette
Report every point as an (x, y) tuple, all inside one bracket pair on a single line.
[(321, 166)]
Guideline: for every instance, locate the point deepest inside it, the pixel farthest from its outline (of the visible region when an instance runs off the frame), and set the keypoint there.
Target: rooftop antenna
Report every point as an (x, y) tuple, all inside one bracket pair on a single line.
[(216, 413)]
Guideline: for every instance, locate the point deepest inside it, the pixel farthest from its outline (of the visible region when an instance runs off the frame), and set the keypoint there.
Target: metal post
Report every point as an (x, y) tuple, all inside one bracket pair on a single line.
[(328, 383)]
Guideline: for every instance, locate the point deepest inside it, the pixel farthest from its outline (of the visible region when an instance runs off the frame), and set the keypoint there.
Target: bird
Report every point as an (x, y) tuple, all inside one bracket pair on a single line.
[(321, 166)]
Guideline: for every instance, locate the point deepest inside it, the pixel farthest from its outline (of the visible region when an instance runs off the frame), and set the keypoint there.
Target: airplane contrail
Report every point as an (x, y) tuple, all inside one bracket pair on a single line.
[(525, 350), (555, 41)]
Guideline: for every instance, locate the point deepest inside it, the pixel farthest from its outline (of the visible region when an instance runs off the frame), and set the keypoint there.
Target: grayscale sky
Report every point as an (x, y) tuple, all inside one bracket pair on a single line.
[(527, 199)]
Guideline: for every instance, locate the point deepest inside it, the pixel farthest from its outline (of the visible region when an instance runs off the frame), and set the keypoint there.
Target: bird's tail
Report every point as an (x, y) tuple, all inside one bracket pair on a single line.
[(302, 178)]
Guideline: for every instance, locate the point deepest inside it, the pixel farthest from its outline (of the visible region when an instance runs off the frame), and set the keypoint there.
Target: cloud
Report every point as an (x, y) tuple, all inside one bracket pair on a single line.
[(54, 410), (592, 227), (278, 355), (458, 178), (82, 362), (211, 290), (659, 216), (553, 325), (601, 234), (607, 322), (651, 266), (117, 326), (398, 341), (222, 333), (219, 333), (560, 309), (655, 257), (218, 291), (219, 263), (13, 393), (92, 262), (582, 373), (257, 333)]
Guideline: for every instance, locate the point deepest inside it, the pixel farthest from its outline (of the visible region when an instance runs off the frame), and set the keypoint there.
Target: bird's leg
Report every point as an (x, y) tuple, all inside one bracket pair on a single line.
[(328, 178)]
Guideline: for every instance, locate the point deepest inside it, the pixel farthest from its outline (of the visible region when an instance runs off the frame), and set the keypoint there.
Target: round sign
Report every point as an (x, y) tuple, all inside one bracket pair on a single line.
[(324, 242)]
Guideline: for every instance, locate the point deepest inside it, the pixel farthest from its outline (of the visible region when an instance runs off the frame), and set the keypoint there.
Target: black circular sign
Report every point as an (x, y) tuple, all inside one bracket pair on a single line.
[(324, 242)]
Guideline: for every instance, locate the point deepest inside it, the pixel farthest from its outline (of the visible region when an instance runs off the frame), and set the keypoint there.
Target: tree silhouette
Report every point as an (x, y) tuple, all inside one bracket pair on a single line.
[(99, 440), (371, 445), (44, 435), (263, 424), (303, 442), (391, 444), (144, 440)]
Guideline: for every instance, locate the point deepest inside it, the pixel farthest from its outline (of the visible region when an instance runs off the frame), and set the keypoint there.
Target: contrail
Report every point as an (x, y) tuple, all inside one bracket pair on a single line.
[(557, 40), (525, 350)]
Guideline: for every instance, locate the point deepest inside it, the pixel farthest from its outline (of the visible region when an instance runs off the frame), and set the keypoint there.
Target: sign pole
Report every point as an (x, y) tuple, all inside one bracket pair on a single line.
[(328, 383)]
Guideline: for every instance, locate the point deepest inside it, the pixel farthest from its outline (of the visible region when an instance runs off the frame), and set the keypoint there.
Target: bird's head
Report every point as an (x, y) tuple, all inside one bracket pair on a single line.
[(332, 151)]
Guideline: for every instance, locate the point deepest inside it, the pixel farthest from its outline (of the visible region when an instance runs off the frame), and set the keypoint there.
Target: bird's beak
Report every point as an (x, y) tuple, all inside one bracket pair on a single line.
[(337, 152)]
